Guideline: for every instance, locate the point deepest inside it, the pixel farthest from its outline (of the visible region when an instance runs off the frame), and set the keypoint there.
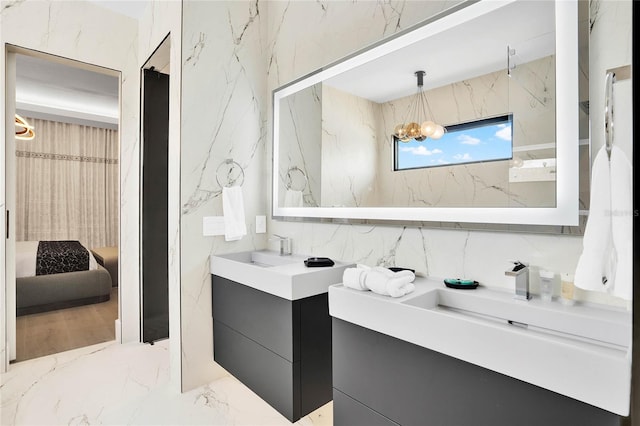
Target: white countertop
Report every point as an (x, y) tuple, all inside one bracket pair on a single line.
[(579, 351), (283, 276)]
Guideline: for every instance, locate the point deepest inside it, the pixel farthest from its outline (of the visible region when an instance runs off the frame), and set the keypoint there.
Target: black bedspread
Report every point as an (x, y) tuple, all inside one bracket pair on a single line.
[(55, 257)]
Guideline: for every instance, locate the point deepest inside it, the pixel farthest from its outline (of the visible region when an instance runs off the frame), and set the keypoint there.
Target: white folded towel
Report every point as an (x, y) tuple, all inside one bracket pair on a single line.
[(354, 277), (606, 260), (293, 198), (233, 210), (379, 280)]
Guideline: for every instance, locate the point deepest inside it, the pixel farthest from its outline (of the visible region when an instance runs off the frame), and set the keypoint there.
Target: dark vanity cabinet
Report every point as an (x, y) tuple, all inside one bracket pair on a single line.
[(279, 348), (379, 380)]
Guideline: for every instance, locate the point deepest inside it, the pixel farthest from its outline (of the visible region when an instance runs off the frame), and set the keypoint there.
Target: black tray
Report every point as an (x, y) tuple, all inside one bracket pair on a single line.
[(318, 262)]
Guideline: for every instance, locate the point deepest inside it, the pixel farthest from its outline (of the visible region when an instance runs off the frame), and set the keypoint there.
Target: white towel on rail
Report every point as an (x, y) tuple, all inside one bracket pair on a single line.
[(622, 224), (233, 210), (606, 260), (593, 264)]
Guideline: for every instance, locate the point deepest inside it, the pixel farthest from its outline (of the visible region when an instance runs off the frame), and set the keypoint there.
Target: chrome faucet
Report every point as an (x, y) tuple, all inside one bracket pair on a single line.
[(285, 244)]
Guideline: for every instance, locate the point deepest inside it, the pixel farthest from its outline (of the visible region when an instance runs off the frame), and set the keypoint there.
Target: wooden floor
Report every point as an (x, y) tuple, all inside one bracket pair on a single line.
[(57, 331)]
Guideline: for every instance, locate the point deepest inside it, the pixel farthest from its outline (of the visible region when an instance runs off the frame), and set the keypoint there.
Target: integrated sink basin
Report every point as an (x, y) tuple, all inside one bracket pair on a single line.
[(283, 276), (263, 258), (585, 323)]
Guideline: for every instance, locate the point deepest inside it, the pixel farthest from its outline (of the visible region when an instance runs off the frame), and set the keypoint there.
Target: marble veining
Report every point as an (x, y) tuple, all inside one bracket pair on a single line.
[(594, 13), (127, 384), (197, 48), (254, 13), (9, 4)]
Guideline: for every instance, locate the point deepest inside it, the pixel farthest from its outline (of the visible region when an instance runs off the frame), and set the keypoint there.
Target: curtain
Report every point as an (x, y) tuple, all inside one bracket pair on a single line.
[(67, 184)]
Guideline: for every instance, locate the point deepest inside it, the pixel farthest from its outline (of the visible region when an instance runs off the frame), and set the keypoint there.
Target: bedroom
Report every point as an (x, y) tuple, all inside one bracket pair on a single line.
[(67, 204)]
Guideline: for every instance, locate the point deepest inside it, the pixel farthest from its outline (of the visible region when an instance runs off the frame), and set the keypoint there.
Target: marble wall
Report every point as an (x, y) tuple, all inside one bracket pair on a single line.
[(224, 103), (85, 32)]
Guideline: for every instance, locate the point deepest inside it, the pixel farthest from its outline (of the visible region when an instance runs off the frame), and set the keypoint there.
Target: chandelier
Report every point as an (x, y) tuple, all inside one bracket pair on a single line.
[(410, 129), (24, 130)]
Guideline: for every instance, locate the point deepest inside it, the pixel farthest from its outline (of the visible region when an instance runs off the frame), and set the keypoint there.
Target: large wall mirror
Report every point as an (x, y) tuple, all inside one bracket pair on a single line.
[(500, 77)]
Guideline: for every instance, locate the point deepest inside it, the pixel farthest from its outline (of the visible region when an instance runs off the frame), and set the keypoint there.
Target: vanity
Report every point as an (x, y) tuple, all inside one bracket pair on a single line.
[(476, 357), (271, 327)]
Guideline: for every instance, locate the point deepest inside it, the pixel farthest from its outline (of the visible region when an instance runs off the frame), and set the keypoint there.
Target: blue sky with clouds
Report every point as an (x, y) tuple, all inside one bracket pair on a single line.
[(486, 143)]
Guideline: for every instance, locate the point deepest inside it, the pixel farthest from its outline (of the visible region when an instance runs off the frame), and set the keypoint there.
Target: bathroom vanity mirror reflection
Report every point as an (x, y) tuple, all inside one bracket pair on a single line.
[(336, 156)]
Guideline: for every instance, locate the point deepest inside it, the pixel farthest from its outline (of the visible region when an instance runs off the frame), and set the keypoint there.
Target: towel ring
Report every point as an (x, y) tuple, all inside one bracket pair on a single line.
[(233, 173), (289, 180), (608, 111)]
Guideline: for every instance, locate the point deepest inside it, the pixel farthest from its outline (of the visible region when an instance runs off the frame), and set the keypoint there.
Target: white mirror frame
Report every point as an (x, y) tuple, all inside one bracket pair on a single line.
[(566, 211)]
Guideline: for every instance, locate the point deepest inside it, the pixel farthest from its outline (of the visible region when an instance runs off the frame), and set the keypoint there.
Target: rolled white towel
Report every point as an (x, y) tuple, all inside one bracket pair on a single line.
[(379, 280), (395, 284), (354, 278)]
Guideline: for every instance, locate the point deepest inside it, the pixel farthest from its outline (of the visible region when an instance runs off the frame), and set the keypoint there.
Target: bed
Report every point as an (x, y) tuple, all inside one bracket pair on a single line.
[(56, 275)]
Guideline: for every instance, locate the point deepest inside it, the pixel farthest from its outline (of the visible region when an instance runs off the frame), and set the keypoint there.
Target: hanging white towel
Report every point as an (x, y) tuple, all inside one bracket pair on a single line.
[(622, 224), (606, 260), (593, 264), (293, 198), (233, 209)]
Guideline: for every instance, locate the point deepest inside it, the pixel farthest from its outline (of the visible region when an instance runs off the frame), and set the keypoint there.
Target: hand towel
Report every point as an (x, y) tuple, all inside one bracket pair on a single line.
[(380, 280), (621, 282), (388, 283), (354, 277), (593, 264), (293, 198), (607, 256), (233, 210)]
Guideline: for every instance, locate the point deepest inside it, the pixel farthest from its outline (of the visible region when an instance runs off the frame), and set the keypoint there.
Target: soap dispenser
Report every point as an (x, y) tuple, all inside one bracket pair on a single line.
[(518, 278)]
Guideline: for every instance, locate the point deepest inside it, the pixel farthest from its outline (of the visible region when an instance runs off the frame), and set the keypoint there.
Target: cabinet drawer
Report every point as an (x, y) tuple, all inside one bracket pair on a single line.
[(268, 320), (272, 377)]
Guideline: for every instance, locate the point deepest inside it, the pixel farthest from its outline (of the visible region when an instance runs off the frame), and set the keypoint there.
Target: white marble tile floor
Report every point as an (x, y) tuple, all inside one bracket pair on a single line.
[(111, 384)]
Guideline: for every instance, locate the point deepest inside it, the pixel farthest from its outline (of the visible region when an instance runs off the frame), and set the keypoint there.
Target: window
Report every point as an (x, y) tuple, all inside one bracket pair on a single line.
[(478, 141)]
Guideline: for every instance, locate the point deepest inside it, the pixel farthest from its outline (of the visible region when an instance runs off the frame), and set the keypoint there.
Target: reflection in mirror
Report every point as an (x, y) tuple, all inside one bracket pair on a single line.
[(337, 126), (301, 133)]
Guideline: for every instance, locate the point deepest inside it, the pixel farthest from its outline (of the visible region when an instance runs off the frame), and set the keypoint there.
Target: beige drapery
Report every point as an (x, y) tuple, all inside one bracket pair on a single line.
[(67, 184)]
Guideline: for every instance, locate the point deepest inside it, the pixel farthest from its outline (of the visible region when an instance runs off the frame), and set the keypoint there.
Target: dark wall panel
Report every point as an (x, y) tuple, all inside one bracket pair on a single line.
[(155, 183)]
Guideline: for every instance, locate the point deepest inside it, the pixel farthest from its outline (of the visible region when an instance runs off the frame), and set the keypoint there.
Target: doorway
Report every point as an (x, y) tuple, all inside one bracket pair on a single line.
[(155, 196), (63, 203)]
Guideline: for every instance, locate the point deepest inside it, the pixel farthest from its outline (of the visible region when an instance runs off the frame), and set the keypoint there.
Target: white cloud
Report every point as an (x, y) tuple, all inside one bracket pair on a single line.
[(504, 133), (462, 157), (468, 140), (420, 150)]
